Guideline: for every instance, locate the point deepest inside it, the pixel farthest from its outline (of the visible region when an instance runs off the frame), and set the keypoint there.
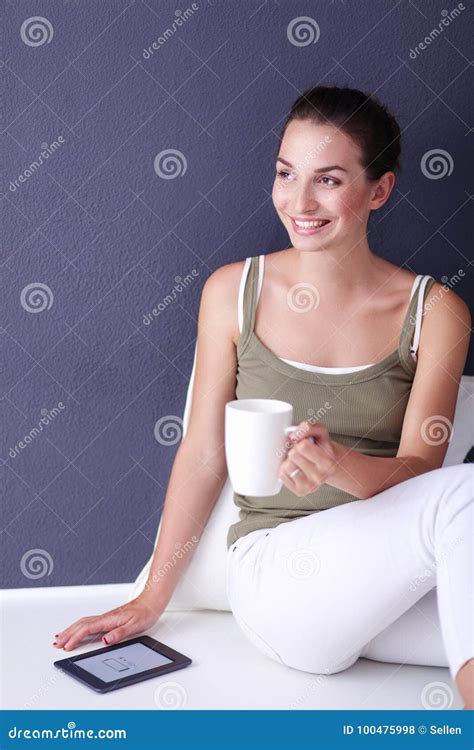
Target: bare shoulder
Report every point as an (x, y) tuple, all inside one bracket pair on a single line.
[(221, 292), (443, 304)]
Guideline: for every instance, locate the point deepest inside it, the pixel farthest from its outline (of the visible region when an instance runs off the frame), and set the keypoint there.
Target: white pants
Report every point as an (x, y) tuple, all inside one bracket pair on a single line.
[(389, 578)]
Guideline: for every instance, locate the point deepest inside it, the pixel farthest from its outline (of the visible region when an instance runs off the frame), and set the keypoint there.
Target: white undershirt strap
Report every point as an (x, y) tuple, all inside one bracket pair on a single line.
[(419, 313), (243, 279)]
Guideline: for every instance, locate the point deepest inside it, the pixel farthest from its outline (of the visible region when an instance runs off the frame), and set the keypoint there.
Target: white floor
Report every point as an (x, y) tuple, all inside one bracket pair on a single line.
[(227, 671)]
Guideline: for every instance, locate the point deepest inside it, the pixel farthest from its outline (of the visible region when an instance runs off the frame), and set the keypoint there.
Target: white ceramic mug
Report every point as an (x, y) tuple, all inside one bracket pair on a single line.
[(256, 443)]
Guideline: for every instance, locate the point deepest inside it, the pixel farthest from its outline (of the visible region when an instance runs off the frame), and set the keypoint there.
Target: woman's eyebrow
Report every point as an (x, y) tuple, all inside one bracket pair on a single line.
[(320, 169)]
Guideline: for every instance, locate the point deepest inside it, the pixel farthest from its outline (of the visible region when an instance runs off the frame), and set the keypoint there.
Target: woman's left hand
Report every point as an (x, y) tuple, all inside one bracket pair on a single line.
[(312, 453)]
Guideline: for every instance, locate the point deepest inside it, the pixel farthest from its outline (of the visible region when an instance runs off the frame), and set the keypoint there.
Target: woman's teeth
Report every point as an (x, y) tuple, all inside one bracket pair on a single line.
[(311, 224)]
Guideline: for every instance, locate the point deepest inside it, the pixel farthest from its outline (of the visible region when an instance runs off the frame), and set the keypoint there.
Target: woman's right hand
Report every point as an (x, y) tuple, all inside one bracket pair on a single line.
[(116, 624)]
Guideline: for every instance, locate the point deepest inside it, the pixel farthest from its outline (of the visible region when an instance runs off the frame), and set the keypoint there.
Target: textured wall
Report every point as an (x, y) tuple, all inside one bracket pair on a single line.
[(99, 228)]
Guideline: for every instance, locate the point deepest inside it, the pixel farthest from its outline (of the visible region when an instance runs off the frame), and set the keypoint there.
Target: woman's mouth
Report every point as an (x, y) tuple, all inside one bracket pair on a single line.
[(309, 227)]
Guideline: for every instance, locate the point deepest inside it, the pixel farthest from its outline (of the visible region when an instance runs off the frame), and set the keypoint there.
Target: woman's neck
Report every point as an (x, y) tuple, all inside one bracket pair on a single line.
[(341, 272)]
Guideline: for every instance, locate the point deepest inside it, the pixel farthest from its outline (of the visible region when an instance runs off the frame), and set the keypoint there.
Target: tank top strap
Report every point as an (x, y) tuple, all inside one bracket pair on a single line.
[(410, 336), (250, 285)]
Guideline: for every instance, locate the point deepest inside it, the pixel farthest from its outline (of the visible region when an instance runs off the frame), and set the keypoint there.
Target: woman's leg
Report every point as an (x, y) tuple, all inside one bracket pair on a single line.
[(414, 638), (316, 591)]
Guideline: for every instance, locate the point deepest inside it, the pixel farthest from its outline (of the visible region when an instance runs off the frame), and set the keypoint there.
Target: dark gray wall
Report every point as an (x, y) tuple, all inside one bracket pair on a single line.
[(94, 237)]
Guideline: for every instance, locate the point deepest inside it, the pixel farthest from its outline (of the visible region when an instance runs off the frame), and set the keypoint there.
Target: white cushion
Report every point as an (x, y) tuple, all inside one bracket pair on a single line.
[(228, 672), (203, 584)]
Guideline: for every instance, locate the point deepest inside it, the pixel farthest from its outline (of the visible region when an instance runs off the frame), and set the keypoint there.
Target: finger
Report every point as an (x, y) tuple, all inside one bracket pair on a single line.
[(64, 634), (118, 634), (311, 463), (318, 430), (92, 625), (297, 483)]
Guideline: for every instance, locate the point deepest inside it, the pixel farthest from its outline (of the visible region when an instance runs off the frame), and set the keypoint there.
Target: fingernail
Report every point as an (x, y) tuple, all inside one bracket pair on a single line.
[(105, 640)]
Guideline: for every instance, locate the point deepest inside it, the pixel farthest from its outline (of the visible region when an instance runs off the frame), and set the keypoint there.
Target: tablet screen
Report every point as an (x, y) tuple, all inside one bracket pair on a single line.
[(122, 662)]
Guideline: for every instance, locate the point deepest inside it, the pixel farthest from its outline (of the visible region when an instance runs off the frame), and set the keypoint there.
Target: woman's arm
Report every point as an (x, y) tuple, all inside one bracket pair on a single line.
[(199, 470), (427, 426)]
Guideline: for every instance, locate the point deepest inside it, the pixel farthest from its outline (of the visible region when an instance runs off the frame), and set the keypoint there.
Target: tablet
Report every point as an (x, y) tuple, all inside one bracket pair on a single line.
[(122, 664)]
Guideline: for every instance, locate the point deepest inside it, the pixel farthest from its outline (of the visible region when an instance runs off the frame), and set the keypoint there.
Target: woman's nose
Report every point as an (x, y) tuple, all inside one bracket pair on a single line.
[(304, 202)]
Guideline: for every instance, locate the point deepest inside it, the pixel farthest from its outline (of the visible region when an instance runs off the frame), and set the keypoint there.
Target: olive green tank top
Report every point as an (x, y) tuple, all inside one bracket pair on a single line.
[(363, 408)]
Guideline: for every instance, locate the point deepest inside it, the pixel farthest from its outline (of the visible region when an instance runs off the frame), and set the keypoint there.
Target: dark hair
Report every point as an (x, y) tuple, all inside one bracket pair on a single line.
[(360, 116)]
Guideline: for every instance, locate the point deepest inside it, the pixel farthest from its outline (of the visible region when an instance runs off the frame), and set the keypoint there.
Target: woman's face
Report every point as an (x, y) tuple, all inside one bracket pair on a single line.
[(319, 176)]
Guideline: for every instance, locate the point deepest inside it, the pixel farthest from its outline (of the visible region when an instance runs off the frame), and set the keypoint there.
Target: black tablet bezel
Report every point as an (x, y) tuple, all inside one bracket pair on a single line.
[(70, 665)]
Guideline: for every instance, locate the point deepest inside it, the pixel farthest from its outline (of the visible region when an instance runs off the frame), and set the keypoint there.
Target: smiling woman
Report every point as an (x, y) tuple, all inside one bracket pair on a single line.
[(317, 571)]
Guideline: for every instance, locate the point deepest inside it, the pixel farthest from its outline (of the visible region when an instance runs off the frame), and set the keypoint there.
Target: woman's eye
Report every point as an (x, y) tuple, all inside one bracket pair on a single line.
[(283, 175), (326, 177)]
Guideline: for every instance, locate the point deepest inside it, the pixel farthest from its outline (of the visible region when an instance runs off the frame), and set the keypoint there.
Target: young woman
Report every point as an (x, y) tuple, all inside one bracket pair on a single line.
[(367, 522)]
